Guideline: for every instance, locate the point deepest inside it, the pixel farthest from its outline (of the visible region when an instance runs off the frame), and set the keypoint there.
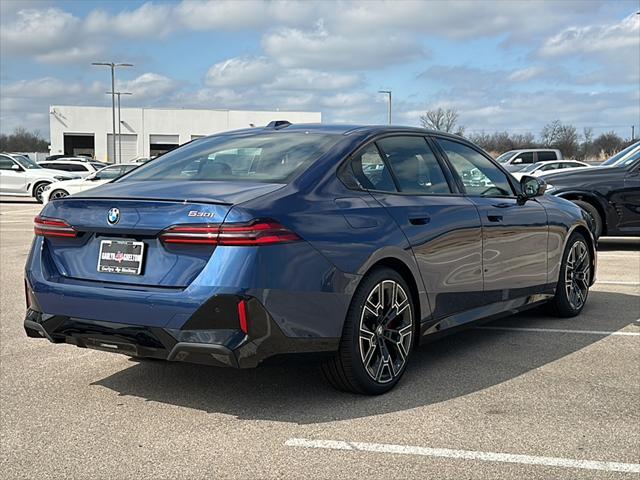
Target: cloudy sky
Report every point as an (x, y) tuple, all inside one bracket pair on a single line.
[(504, 65)]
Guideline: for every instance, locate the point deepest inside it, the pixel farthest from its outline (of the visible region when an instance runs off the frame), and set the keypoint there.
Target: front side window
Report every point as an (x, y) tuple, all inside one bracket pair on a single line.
[(371, 172), (108, 173), (551, 166), (26, 162), (5, 163), (504, 158), (479, 176), (263, 157), (523, 158), (414, 164)]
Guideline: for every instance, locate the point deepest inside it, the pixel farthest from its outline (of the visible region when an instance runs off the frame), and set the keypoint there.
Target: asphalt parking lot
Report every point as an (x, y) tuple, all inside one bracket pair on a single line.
[(527, 396)]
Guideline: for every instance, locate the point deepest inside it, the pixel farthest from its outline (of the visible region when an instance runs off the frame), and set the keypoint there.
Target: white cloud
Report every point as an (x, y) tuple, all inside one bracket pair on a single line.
[(38, 31), (623, 36), (241, 71), (148, 86), (321, 49), (147, 21), (524, 74)]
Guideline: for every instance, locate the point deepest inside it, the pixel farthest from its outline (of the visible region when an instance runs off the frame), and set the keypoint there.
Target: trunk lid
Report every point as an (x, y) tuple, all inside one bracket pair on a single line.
[(144, 212)]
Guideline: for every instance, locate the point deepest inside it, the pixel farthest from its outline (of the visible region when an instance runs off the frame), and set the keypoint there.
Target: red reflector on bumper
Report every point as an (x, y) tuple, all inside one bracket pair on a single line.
[(242, 316)]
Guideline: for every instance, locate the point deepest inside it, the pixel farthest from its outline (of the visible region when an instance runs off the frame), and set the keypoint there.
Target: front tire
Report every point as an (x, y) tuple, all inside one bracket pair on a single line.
[(594, 215), (38, 189), (58, 193), (575, 276), (377, 338)]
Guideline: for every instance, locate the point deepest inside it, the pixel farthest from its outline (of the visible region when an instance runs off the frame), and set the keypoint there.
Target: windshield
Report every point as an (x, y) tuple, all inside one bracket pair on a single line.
[(505, 156), (26, 162), (251, 157), (623, 162), (618, 156)]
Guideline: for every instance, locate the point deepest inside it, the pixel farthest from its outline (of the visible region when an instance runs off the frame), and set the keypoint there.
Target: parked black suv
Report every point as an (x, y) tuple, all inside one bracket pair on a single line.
[(609, 193)]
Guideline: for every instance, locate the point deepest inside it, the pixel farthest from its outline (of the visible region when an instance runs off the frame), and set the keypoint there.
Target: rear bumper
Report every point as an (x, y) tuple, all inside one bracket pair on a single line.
[(226, 347)]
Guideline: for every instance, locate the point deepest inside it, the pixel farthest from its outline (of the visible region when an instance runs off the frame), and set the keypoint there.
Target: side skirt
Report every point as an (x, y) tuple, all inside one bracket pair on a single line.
[(431, 331)]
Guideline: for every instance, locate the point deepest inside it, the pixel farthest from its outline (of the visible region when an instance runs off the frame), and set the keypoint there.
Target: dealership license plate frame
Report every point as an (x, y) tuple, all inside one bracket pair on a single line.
[(111, 266)]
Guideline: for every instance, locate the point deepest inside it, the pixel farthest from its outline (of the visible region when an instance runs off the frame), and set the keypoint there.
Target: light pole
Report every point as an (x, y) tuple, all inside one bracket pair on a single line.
[(388, 93), (113, 66), (119, 123)]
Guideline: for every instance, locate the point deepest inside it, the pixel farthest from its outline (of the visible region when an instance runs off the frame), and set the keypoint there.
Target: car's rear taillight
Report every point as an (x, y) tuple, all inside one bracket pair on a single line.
[(254, 233), (257, 232), (194, 234), (52, 227)]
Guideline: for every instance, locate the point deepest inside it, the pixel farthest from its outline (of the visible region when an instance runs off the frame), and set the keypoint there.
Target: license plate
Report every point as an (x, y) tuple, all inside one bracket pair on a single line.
[(121, 256)]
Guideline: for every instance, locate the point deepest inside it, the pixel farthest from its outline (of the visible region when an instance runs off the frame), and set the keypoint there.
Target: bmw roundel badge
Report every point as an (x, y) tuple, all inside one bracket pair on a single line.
[(113, 216)]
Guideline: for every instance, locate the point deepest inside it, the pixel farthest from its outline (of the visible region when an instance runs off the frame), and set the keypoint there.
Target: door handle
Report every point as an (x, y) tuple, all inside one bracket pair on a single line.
[(494, 218), (419, 220)]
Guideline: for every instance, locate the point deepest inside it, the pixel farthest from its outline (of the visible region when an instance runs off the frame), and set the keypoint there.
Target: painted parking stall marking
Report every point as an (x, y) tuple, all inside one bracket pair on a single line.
[(465, 455), (560, 330)]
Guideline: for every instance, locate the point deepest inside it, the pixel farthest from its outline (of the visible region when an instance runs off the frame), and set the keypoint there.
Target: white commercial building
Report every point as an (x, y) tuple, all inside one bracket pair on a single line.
[(146, 132)]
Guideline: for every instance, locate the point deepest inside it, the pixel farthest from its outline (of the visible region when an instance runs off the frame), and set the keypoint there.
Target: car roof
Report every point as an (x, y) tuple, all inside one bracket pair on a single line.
[(340, 129), (65, 160)]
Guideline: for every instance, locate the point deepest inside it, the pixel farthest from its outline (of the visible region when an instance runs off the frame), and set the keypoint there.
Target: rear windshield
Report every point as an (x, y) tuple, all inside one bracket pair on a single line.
[(263, 157)]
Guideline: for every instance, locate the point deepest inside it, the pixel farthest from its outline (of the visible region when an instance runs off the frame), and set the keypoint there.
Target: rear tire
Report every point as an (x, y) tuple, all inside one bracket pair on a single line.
[(377, 337), (594, 214), (575, 276)]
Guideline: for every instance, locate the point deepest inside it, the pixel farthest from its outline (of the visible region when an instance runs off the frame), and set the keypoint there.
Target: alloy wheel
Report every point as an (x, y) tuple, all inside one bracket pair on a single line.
[(39, 191), (577, 275), (386, 330), (58, 194)]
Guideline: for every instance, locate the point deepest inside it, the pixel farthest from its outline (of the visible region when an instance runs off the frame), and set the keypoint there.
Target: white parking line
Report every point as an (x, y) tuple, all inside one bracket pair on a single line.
[(560, 330), (465, 455), (605, 282), (17, 212)]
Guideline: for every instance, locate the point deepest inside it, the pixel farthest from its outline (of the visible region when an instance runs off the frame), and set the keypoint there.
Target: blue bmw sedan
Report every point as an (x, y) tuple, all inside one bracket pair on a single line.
[(353, 242)]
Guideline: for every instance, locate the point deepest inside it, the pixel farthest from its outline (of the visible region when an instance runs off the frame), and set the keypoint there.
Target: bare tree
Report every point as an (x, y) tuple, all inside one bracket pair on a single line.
[(560, 136), (607, 144), (23, 141), (442, 119)]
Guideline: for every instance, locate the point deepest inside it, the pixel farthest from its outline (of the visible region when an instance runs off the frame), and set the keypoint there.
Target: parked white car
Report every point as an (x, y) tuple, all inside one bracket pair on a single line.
[(64, 189), (81, 168), (20, 176), (542, 168), (515, 160)]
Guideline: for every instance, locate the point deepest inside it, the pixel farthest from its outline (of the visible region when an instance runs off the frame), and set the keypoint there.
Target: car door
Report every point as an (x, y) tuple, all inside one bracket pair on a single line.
[(627, 200), (442, 226), (514, 233), (12, 176)]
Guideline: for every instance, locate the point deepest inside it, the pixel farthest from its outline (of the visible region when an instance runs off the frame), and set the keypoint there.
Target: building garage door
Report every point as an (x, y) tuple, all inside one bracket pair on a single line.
[(129, 147), (161, 144)]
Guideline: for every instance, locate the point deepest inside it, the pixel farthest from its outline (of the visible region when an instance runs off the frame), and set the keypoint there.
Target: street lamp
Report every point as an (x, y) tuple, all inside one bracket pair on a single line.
[(113, 66), (388, 93), (119, 124)]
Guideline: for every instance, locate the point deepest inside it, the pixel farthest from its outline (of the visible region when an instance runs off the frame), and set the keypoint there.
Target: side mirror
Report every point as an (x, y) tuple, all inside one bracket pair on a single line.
[(517, 160), (16, 168), (532, 186)]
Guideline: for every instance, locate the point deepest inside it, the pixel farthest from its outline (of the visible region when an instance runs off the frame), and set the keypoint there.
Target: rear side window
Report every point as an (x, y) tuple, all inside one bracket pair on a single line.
[(547, 156), (57, 166), (252, 157), (74, 167), (479, 175), (371, 172), (415, 166)]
